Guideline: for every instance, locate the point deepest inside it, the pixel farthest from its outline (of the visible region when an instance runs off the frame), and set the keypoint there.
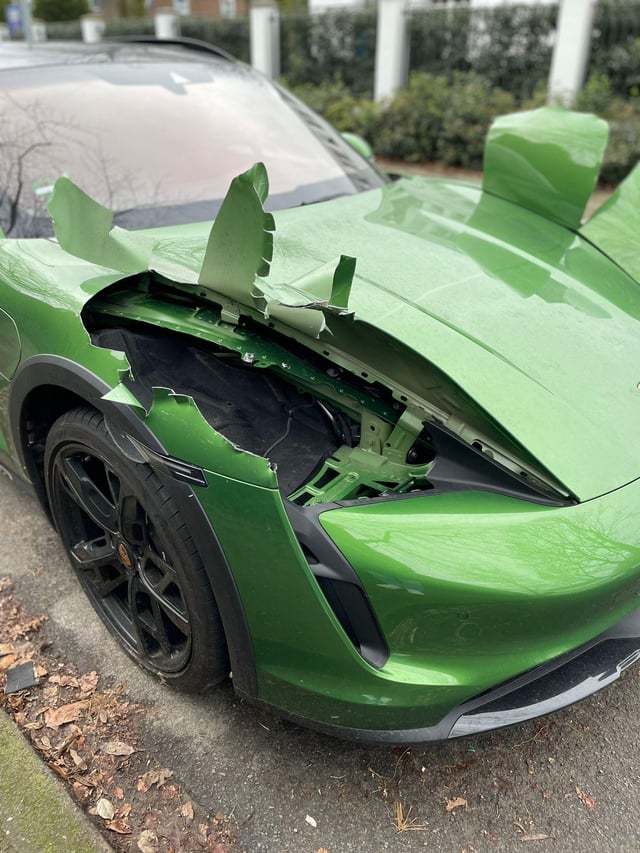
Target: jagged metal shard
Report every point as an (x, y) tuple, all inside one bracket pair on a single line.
[(236, 260)]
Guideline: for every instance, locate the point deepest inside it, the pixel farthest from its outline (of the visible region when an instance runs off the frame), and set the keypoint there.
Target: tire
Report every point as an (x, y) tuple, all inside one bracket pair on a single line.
[(133, 555)]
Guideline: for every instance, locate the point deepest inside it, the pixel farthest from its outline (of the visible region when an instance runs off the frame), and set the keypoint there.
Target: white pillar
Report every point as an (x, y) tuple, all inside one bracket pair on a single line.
[(264, 31), (571, 50), (166, 24), (392, 48), (92, 27), (38, 30)]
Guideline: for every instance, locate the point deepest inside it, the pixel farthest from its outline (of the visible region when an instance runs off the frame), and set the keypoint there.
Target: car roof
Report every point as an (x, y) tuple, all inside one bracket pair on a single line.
[(14, 55)]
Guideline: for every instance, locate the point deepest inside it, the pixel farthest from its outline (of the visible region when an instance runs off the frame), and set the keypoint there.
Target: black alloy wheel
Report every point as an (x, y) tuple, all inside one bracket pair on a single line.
[(132, 553)]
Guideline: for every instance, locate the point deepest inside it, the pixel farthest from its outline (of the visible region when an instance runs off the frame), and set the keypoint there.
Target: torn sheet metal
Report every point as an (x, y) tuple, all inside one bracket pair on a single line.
[(84, 228), (178, 423), (547, 160), (614, 227), (236, 260)]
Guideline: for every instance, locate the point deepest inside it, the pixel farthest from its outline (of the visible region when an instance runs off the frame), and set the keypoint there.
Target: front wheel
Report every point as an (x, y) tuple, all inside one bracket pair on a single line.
[(132, 552)]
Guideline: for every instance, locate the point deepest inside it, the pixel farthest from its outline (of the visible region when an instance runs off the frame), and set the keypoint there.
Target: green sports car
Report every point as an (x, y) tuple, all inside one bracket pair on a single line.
[(369, 445)]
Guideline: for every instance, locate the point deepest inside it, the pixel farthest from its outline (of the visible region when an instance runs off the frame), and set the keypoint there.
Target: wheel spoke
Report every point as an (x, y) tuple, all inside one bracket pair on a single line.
[(156, 590), (94, 557), (94, 553), (86, 494), (148, 621), (132, 520)]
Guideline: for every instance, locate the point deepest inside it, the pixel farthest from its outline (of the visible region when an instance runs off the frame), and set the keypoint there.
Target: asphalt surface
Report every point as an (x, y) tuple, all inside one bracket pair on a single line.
[(566, 782)]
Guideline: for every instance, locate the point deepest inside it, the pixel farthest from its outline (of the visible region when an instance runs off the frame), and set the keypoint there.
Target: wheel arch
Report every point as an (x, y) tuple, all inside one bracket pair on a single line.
[(45, 387)]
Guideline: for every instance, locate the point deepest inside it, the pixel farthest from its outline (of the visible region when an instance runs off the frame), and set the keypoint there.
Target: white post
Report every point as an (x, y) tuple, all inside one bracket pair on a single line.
[(264, 31), (571, 50), (166, 24), (392, 48), (38, 30), (92, 27)]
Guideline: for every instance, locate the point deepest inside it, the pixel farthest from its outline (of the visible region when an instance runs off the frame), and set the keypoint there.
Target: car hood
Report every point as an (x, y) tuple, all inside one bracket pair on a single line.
[(528, 318)]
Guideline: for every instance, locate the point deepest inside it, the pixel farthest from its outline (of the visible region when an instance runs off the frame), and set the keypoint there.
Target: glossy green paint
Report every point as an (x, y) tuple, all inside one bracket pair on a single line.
[(9, 346), (473, 588), (615, 226), (359, 144), (462, 298), (524, 316), (44, 289), (546, 160)]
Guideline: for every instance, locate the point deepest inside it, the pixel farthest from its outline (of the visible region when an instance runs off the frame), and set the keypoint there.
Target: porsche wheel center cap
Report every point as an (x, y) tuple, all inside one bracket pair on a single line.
[(124, 555)]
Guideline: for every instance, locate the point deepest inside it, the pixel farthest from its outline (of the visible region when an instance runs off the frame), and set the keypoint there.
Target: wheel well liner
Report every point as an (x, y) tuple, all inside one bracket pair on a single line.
[(44, 387)]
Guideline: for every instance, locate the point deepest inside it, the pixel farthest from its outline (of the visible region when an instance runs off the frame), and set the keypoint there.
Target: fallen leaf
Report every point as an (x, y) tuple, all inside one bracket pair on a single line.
[(103, 716), (117, 747), (118, 826), (154, 777), (457, 802), (6, 649), (89, 682), (125, 811), (81, 791), (538, 836), (64, 680), (64, 745), (60, 771), (7, 661), (41, 671), (118, 794), (148, 841), (80, 763), (105, 809), (589, 801), (311, 821), (187, 810), (55, 717)]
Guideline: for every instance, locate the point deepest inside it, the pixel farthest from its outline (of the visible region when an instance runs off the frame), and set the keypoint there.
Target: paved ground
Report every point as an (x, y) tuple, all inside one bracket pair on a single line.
[(572, 778)]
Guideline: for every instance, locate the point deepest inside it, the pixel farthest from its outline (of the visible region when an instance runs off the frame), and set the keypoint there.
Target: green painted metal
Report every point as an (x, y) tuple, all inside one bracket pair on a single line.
[(84, 229), (547, 160), (615, 226), (9, 346), (472, 588), (469, 307), (359, 144), (520, 314)]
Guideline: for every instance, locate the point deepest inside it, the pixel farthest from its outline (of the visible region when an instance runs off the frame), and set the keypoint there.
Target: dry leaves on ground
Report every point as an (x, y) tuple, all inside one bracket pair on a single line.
[(91, 738), (589, 801), (455, 803)]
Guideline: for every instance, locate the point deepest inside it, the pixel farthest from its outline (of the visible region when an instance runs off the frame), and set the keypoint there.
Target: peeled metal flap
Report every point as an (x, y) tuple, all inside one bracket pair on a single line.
[(546, 160), (614, 227)]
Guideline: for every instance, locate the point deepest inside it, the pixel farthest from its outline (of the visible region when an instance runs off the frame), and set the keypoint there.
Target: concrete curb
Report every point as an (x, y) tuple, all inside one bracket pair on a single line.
[(37, 814)]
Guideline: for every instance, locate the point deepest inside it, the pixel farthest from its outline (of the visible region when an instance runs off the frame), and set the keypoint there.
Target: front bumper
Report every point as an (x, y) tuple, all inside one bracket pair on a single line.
[(543, 690)]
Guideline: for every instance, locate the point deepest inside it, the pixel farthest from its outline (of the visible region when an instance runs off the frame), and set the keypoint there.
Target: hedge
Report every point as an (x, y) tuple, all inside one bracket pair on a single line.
[(445, 119)]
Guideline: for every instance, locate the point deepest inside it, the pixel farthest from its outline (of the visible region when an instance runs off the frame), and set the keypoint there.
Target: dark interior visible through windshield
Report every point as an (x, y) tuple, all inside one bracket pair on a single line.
[(158, 142)]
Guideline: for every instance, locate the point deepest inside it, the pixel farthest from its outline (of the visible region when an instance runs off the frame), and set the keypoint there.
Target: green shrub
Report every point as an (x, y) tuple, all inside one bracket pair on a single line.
[(60, 10), (441, 119), (432, 119)]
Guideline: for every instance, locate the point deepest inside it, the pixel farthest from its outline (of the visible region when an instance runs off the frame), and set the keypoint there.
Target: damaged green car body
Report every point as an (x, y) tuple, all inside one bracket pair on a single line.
[(440, 533)]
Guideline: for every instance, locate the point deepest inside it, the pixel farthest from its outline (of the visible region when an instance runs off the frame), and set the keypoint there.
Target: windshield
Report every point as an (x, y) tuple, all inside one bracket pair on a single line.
[(158, 143)]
